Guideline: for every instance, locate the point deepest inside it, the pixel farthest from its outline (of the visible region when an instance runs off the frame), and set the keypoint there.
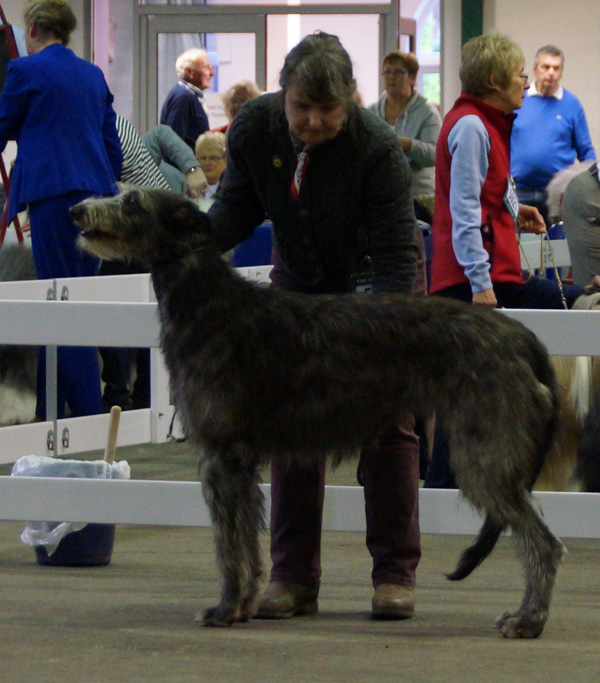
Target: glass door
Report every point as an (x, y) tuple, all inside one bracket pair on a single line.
[(234, 44)]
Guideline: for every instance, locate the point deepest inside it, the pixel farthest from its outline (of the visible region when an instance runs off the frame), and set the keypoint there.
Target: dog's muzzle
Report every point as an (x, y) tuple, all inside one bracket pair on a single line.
[(77, 212)]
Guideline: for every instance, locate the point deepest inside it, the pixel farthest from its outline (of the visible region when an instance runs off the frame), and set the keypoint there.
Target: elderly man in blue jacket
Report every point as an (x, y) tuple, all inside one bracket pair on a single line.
[(183, 108)]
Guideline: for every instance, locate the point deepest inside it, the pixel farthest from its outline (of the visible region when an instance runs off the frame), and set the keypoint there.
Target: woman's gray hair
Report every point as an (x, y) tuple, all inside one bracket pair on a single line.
[(489, 60), (52, 18), (320, 68)]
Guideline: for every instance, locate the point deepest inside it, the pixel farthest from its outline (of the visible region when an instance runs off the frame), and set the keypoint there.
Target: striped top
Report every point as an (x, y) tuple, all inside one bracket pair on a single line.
[(139, 167)]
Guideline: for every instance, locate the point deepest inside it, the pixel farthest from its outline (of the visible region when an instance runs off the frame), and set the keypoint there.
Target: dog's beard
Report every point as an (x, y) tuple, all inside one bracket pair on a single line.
[(102, 246)]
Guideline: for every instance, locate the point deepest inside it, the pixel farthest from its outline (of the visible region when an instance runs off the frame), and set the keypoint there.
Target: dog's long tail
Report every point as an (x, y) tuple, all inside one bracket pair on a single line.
[(476, 554)]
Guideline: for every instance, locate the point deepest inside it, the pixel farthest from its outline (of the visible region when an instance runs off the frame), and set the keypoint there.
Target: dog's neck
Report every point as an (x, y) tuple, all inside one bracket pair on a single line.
[(178, 257)]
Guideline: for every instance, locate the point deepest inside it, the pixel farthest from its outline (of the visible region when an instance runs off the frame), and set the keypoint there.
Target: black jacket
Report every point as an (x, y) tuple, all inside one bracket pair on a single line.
[(355, 198)]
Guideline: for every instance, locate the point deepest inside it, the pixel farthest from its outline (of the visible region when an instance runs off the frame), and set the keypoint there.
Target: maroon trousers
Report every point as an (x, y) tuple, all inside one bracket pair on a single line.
[(390, 474)]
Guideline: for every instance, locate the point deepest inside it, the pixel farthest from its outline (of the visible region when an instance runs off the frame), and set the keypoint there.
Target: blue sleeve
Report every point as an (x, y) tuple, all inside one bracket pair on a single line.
[(14, 102), (469, 145), (582, 142), (111, 137)]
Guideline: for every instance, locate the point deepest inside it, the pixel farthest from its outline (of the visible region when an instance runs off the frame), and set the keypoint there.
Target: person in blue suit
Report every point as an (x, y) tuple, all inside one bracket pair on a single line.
[(58, 108)]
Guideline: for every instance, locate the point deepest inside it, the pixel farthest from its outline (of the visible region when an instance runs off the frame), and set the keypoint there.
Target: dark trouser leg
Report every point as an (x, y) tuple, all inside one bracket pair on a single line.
[(391, 485), (297, 495), (141, 387), (53, 241), (440, 474), (116, 369), (537, 292)]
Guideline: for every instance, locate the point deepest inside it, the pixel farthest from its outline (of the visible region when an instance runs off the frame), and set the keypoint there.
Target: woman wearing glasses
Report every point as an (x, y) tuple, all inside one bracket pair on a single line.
[(475, 250), (211, 153), (415, 120)]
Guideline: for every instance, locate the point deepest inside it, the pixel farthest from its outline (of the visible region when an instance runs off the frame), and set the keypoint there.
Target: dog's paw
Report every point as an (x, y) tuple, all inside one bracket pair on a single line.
[(218, 616), (520, 626), (248, 608)]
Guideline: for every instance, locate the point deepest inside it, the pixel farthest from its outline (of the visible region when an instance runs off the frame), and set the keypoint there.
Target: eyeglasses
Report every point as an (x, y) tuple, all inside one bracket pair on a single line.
[(524, 77), (389, 73), (205, 159), (210, 67)]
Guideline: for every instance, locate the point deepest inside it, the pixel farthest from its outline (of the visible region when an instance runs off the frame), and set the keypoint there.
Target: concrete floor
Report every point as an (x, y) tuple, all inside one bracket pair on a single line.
[(133, 620)]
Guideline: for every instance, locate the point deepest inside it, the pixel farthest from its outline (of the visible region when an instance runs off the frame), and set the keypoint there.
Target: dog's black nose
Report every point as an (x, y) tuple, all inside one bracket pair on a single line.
[(76, 212)]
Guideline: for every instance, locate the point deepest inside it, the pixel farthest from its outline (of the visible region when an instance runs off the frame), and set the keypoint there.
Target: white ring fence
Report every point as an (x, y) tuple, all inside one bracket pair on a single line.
[(121, 311)]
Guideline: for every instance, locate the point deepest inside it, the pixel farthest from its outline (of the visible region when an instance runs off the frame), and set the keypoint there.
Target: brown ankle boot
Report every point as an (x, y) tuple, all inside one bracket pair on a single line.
[(393, 601), (284, 599)]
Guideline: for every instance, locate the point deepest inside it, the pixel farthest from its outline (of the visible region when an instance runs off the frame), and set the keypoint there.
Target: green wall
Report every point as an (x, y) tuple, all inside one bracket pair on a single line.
[(472, 19)]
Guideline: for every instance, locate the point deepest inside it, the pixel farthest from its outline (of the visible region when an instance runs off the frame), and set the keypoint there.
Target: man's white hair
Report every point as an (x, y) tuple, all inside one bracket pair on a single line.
[(188, 59)]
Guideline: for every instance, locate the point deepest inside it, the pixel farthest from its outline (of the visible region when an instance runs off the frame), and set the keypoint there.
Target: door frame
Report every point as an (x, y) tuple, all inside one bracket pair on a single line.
[(149, 20), (145, 94)]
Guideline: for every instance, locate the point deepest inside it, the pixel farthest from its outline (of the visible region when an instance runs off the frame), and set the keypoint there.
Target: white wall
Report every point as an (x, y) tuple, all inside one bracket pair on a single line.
[(572, 25), (13, 9), (450, 17)]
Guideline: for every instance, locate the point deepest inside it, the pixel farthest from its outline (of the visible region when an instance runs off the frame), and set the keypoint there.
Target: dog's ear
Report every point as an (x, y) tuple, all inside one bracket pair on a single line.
[(189, 217)]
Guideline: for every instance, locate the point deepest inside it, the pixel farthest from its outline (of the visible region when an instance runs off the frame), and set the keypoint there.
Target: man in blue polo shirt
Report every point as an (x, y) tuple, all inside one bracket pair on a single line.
[(549, 133)]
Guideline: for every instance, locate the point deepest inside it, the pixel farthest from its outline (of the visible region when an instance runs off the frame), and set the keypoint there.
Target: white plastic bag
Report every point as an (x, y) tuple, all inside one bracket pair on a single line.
[(50, 534)]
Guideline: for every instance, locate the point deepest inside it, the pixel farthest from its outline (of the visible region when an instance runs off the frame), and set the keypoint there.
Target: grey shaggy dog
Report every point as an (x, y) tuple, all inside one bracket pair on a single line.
[(18, 364), (260, 374)]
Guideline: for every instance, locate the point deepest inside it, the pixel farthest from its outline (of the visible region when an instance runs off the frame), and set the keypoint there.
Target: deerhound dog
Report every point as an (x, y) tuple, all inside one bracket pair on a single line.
[(260, 374)]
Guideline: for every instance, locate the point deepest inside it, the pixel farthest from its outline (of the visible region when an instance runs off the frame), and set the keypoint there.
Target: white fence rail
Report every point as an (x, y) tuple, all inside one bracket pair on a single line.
[(109, 312), (535, 254)]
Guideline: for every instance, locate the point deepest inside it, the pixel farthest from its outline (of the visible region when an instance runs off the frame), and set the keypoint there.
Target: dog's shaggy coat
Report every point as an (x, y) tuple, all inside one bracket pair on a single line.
[(18, 364), (260, 374)]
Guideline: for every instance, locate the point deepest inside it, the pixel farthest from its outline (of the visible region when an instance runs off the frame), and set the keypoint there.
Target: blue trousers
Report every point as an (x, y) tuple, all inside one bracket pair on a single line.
[(53, 241)]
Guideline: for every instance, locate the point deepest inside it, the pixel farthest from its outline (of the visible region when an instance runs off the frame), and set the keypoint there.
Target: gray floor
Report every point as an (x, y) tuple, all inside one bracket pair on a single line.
[(133, 620)]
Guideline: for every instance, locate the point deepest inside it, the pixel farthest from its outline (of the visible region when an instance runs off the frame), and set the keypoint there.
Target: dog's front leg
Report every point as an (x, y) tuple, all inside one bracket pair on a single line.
[(231, 490)]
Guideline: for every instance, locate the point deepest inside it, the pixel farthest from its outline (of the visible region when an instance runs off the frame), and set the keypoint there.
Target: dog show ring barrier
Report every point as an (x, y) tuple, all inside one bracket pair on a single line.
[(122, 311)]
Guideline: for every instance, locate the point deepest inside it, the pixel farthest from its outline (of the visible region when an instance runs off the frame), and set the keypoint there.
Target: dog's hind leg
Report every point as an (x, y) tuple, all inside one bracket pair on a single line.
[(231, 490), (541, 553), (495, 472)]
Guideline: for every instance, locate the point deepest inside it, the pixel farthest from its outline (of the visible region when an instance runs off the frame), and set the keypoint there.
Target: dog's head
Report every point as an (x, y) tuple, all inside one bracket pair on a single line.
[(140, 224)]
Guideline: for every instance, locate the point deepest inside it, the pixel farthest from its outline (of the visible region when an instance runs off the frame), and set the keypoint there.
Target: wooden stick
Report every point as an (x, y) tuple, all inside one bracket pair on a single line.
[(113, 428)]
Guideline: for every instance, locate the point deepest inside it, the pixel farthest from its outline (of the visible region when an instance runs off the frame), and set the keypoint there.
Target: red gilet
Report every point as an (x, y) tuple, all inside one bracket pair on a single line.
[(504, 250)]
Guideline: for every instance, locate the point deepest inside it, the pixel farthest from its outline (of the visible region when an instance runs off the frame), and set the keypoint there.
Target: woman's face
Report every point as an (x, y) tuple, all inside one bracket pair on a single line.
[(212, 164), (238, 98), (511, 97), (312, 122), (398, 82)]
